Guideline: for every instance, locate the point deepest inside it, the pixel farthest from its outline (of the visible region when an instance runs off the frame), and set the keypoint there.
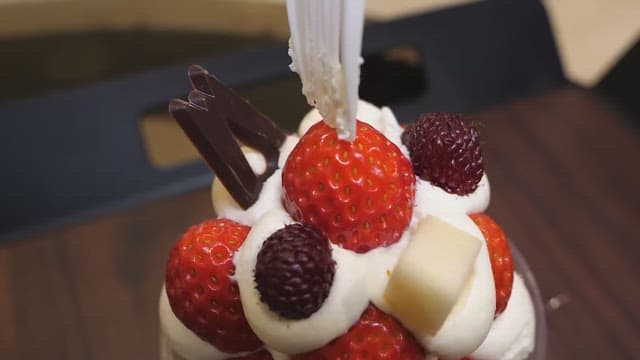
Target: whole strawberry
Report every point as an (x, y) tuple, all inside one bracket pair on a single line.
[(375, 336), (359, 194), (200, 287), (500, 256), (445, 151)]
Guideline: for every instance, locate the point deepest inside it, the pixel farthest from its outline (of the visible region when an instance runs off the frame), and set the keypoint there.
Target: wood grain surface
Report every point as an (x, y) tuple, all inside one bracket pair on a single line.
[(564, 173)]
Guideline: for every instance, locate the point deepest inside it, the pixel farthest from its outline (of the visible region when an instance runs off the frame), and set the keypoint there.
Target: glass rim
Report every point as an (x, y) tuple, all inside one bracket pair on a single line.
[(522, 267)]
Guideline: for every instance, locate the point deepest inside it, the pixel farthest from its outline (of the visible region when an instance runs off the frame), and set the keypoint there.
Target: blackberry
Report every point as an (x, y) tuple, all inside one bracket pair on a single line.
[(294, 271), (445, 151)]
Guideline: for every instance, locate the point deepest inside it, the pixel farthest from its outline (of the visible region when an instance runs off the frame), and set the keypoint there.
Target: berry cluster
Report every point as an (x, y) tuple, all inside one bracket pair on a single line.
[(358, 195)]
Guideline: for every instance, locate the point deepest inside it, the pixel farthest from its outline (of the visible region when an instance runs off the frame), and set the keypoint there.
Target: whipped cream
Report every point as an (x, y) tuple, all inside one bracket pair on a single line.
[(340, 310), (431, 199), (512, 334), (360, 279), (381, 119)]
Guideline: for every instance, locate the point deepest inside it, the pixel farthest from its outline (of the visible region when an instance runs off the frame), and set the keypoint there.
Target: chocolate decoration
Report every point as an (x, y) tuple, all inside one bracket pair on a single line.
[(216, 119)]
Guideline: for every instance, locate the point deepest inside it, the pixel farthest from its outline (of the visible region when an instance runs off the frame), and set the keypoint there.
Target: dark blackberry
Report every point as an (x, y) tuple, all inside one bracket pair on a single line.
[(294, 271), (445, 151)]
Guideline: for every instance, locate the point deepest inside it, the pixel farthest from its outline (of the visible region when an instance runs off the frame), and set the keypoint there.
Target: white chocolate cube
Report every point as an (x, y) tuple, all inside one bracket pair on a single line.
[(431, 274)]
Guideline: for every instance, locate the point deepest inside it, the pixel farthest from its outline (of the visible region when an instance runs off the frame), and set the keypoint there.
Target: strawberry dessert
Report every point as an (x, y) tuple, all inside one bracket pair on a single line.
[(355, 238), (376, 248)]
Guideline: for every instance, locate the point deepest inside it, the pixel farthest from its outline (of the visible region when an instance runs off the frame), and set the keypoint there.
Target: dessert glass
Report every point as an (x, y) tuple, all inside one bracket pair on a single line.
[(522, 267)]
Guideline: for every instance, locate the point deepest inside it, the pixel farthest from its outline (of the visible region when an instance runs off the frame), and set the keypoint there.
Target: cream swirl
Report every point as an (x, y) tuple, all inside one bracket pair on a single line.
[(512, 333), (178, 339), (346, 301), (431, 199)]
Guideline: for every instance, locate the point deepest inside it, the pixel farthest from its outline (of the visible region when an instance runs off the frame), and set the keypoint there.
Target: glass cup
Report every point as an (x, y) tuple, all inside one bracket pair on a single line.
[(521, 266)]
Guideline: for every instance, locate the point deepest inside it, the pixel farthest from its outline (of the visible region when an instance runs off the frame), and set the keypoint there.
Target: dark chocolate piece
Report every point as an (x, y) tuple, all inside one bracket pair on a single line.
[(215, 118)]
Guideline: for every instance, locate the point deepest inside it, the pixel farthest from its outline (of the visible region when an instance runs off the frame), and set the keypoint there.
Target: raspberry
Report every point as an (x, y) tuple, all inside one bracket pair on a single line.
[(294, 271), (445, 151)]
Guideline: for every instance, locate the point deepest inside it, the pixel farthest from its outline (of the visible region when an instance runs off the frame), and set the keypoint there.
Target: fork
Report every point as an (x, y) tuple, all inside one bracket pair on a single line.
[(325, 47)]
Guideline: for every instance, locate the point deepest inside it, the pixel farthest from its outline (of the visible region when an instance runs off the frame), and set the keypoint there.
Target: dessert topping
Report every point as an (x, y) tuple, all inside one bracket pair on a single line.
[(500, 256), (445, 151), (431, 274), (375, 335), (200, 287), (359, 194), (294, 271), (211, 118)]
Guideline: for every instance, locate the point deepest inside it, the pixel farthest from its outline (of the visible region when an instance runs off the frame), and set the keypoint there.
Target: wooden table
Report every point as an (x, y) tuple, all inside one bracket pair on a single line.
[(565, 177)]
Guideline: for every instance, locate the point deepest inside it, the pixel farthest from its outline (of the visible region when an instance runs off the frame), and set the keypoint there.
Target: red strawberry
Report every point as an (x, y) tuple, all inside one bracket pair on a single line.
[(359, 194), (200, 287), (500, 255), (375, 336)]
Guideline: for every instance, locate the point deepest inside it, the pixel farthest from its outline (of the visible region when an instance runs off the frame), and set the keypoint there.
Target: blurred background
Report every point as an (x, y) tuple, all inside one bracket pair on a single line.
[(97, 180), (66, 43), (50, 47)]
